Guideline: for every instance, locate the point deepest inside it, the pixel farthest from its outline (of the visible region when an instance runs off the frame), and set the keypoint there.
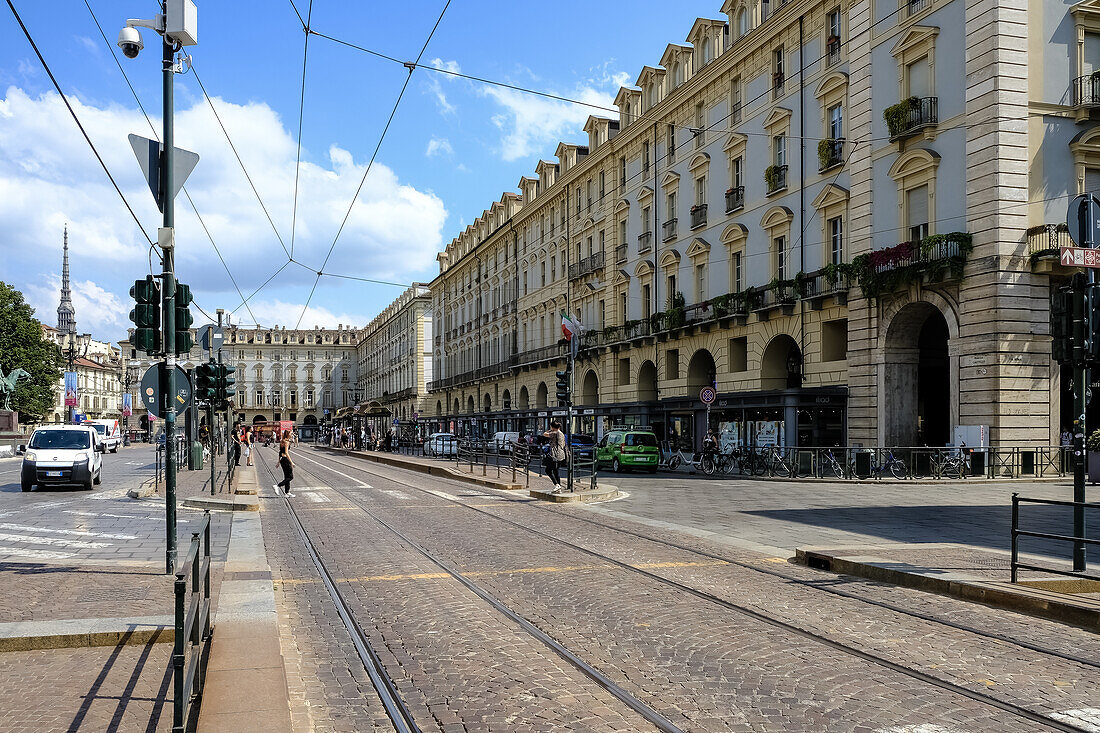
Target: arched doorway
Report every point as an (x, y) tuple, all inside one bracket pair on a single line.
[(506, 400), (540, 395), (781, 364), (470, 404), (701, 372), (259, 419), (456, 409), (488, 402), (647, 382), (590, 389), (917, 393), (524, 398), (310, 420), (439, 408)]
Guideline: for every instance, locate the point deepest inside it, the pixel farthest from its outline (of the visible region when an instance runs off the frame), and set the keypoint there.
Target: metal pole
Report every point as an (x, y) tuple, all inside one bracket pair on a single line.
[(569, 405), (1088, 329), (213, 452), (169, 289), (1015, 536), (1080, 389)]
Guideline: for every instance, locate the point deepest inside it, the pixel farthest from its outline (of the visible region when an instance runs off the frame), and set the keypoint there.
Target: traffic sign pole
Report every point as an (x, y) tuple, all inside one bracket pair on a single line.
[(169, 283)]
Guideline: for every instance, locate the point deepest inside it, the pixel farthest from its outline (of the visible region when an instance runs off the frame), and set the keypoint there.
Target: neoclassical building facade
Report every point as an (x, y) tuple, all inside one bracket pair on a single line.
[(840, 215)]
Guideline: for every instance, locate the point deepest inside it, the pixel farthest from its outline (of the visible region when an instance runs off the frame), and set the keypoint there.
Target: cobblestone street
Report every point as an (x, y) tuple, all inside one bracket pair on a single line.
[(697, 635)]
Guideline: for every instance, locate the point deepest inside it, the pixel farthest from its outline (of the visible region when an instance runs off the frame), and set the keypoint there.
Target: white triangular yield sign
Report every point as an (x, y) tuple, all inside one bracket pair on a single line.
[(148, 156)]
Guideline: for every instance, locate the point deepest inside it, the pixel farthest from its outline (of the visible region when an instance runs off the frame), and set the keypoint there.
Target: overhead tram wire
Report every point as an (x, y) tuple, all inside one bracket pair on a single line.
[(156, 137), (76, 119), (301, 119), (411, 67)]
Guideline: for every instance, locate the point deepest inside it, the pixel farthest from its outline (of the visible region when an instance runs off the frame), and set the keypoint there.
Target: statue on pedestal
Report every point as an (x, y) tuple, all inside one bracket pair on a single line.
[(7, 386)]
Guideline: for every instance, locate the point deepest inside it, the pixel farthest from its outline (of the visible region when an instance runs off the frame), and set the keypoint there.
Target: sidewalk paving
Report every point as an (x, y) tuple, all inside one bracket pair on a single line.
[(86, 612)]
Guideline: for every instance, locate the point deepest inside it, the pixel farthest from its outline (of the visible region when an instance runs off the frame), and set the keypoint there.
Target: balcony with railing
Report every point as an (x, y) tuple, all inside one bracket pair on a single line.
[(775, 178), (931, 260), (587, 266), (912, 7), (1086, 90), (698, 216), (910, 116), (832, 281), (532, 357), (735, 199), (1044, 243), (620, 254), (669, 230), (830, 154), (645, 241), (832, 50)]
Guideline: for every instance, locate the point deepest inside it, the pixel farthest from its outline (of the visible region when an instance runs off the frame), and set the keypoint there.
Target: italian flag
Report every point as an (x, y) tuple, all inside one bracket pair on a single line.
[(570, 326)]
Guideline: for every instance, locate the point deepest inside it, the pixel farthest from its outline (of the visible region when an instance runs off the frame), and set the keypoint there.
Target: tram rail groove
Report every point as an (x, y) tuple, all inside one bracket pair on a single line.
[(1008, 707), (398, 713), (812, 585)]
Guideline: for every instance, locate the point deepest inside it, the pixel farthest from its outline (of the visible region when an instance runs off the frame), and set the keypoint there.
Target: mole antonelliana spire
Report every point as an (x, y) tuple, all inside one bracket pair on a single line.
[(66, 314)]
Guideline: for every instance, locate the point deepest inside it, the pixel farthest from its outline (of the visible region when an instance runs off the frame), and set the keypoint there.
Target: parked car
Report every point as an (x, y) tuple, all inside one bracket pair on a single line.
[(62, 455), (109, 433), (582, 446), (623, 449), (502, 442), (441, 444)]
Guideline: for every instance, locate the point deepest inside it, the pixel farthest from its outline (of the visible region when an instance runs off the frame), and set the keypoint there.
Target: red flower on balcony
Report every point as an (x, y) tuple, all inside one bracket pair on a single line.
[(891, 257)]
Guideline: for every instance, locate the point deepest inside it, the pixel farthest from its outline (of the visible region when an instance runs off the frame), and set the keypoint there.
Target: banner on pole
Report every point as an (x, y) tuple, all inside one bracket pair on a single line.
[(127, 404), (70, 389)]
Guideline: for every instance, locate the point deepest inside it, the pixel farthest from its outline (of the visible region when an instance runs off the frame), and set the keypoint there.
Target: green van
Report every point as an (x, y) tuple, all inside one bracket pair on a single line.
[(628, 448)]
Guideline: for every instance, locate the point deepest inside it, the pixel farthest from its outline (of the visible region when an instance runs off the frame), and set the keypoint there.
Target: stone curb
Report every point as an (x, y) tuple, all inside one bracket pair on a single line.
[(1034, 601), (24, 636), (605, 492), (217, 503), (431, 470)]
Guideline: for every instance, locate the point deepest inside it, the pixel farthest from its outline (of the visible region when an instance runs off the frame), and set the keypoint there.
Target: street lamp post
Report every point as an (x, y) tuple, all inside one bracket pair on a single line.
[(73, 344)]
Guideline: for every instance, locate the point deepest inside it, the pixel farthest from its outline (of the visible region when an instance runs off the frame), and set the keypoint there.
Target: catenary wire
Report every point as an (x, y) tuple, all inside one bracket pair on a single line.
[(374, 155), (156, 136), (76, 119), (301, 119)]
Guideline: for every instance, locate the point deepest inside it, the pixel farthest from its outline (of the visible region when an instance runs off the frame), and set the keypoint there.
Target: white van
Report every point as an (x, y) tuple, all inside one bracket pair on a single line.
[(109, 433), (62, 455), (502, 442)]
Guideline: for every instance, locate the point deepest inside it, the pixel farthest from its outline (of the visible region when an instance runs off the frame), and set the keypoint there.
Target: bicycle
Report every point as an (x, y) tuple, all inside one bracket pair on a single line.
[(831, 466), (955, 464), (705, 462), (890, 463)]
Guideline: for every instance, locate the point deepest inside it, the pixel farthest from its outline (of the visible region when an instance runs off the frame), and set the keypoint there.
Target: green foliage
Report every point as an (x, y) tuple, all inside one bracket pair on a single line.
[(22, 346), (1092, 443), (897, 115), (932, 259), (825, 153), (771, 177)]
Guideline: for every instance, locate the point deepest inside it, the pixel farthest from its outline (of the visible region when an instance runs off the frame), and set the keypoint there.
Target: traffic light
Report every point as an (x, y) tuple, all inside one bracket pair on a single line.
[(146, 315), (1092, 324), (224, 382), (1061, 325), (184, 339), (206, 379), (563, 386)]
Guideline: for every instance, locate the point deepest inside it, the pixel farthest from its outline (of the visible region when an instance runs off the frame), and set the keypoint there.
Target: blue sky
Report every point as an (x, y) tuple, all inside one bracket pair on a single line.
[(453, 148)]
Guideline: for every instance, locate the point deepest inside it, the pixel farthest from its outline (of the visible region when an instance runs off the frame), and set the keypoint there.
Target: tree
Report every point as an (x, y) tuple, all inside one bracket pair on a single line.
[(22, 346)]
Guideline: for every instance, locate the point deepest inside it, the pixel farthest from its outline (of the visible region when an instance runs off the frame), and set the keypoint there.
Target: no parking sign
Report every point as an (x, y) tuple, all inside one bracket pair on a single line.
[(706, 395)]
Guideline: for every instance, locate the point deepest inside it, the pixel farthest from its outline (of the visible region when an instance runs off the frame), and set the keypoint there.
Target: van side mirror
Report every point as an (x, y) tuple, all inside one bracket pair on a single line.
[(21, 449), (101, 448)]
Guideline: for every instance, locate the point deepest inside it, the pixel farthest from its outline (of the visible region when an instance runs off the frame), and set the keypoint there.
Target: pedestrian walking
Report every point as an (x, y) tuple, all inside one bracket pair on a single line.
[(555, 454), (285, 463), (236, 434), (247, 445)]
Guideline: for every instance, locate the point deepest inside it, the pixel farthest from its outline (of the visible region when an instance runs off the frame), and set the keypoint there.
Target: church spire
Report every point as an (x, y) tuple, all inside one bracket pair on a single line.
[(66, 314)]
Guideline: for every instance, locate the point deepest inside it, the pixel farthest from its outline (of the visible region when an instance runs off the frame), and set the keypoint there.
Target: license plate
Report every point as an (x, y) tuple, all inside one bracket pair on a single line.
[(54, 473)]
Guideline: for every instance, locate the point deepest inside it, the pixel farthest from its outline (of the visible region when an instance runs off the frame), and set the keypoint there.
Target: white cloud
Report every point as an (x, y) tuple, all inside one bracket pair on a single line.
[(49, 176), (95, 306), (287, 314), (432, 81), (439, 145)]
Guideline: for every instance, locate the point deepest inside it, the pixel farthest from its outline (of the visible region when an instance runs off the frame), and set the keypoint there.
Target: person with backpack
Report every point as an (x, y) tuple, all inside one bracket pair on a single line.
[(555, 454)]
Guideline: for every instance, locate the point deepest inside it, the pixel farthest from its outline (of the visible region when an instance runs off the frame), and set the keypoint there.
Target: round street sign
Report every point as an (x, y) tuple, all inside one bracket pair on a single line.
[(151, 391), (706, 395), (1077, 219)]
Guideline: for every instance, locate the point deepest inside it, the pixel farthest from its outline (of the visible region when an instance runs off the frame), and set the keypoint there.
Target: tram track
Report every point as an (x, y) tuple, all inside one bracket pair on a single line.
[(1003, 705)]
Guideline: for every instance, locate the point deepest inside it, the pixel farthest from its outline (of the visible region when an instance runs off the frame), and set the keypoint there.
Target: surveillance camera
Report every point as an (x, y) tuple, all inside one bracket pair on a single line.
[(129, 40)]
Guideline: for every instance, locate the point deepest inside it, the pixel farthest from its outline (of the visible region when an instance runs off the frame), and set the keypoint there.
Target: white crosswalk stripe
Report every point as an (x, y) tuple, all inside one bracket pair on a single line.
[(75, 532), (1087, 719), (397, 494), (51, 541), (38, 554)]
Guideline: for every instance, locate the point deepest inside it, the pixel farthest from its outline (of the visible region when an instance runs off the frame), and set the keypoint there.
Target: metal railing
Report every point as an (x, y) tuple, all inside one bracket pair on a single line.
[(1048, 239), (779, 182), (912, 7), (821, 284), (924, 112), (192, 625), (669, 228), (698, 215), (620, 254), (832, 50), (830, 153), (588, 265), (1086, 90), (534, 356), (645, 241), (735, 199), (1017, 533)]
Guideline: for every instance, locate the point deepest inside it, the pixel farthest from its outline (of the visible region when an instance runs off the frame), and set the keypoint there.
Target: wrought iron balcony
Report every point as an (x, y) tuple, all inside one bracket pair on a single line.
[(1086, 90), (911, 116), (735, 199), (1047, 239), (776, 178), (645, 241), (832, 50), (669, 230), (698, 216), (586, 266), (620, 254), (830, 154)]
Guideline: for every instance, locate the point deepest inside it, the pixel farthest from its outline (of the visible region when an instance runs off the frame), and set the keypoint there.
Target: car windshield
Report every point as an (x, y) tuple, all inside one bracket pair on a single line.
[(583, 440), (647, 439), (101, 429), (60, 439)]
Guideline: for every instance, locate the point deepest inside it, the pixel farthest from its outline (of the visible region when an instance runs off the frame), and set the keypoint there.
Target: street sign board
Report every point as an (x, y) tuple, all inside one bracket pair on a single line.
[(211, 337), (151, 392), (1080, 257), (1083, 213), (148, 156), (706, 395)]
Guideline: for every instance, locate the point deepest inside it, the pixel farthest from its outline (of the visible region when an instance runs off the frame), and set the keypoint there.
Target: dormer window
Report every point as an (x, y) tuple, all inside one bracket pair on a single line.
[(706, 50), (742, 23)]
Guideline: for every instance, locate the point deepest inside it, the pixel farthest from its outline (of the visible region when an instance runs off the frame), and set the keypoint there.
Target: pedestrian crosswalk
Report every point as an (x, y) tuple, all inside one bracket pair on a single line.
[(1084, 719)]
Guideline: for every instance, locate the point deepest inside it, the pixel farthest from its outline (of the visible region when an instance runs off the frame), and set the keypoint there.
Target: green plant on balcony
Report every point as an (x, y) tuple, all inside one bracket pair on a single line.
[(897, 116), (722, 304), (610, 332), (772, 175), (893, 268), (825, 153)]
